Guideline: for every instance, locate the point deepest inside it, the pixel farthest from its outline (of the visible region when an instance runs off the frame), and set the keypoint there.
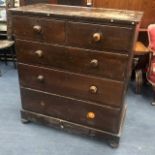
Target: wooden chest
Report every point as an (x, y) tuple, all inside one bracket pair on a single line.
[(74, 64)]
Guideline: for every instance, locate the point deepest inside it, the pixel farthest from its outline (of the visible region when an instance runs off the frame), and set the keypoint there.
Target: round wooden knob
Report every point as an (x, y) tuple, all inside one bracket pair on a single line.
[(94, 62), (40, 78), (93, 89), (90, 115), (37, 28), (39, 53), (97, 37)]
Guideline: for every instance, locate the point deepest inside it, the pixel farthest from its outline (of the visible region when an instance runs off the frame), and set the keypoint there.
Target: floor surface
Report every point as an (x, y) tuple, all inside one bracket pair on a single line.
[(18, 139)]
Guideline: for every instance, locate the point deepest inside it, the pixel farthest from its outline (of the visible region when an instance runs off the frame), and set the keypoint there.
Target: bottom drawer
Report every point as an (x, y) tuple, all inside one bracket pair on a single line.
[(84, 113)]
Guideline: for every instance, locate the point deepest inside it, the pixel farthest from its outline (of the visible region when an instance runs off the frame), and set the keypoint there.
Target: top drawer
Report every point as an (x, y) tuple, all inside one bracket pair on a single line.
[(100, 37), (39, 29)]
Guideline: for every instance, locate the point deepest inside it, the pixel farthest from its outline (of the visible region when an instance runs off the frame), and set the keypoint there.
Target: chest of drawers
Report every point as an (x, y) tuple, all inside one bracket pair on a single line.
[(74, 64)]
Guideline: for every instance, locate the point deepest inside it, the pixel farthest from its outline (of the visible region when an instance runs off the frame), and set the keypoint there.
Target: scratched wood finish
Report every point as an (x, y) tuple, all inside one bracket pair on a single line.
[(72, 85), (82, 14), (59, 87), (71, 2), (95, 63), (72, 127), (71, 110), (148, 7), (66, 2), (28, 2), (116, 38), (51, 31)]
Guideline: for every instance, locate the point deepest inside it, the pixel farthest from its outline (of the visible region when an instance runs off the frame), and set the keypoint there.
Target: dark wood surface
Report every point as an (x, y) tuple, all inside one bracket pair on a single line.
[(112, 37), (84, 13), (66, 2), (72, 85), (28, 2), (52, 31), (55, 49), (96, 63), (71, 110), (148, 7), (113, 139), (71, 2), (75, 34)]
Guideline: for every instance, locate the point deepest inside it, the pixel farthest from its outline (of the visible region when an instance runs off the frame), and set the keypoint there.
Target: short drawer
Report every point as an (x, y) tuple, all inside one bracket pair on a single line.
[(80, 112), (100, 37), (102, 91), (95, 63), (39, 29)]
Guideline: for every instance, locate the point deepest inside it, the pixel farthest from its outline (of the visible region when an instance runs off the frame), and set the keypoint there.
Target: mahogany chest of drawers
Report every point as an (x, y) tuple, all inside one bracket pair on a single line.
[(74, 64)]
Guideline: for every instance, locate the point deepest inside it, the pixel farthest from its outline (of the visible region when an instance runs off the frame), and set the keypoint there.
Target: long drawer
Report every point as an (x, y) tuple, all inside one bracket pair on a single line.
[(102, 91), (77, 60), (104, 118), (39, 29), (100, 37)]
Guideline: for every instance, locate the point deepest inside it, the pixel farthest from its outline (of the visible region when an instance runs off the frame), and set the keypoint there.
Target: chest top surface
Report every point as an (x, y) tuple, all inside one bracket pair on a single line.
[(82, 13)]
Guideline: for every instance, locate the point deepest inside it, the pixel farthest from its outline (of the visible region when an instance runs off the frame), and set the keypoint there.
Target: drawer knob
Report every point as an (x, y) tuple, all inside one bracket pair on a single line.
[(97, 37), (37, 28), (39, 53), (93, 89), (90, 115), (40, 78), (94, 62)]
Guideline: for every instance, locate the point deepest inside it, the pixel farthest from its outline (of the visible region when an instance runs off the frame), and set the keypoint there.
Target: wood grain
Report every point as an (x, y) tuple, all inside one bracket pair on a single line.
[(75, 60), (75, 85), (148, 7), (52, 31), (71, 110), (112, 37), (109, 92)]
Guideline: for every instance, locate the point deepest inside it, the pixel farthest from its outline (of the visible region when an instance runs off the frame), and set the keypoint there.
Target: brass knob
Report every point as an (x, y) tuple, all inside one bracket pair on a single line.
[(37, 28), (39, 53), (90, 115), (97, 37), (94, 62), (93, 89), (40, 78)]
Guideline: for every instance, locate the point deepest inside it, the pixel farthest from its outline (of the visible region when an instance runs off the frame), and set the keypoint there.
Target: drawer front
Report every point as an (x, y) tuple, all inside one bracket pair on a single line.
[(79, 112), (39, 29), (73, 59), (100, 37), (102, 91)]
